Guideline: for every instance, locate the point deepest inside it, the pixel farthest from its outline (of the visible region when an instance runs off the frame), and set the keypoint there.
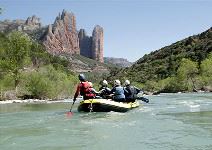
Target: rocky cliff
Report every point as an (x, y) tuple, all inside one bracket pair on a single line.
[(92, 47), (97, 44), (31, 24), (85, 43), (62, 36)]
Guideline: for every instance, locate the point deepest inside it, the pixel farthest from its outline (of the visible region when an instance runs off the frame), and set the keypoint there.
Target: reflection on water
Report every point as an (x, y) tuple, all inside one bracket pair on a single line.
[(168, 122)]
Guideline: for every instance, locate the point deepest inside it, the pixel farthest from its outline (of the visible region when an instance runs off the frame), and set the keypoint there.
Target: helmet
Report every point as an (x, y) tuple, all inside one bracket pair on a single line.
[(91, 84), (127, 82), (117, 82), (81, 77), (104, 83)]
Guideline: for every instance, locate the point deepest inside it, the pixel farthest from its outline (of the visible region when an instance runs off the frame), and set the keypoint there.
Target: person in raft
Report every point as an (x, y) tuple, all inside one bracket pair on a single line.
[(92, 89), (84, 89), (104, 90), (130, 92), (118, 92)]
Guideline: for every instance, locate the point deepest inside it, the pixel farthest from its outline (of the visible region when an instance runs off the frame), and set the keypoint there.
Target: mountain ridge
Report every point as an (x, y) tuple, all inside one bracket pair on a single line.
[(119, 62), (164, 62)]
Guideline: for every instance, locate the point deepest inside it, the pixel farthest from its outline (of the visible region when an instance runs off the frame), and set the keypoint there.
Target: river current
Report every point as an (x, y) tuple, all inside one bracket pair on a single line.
[(168, 122)]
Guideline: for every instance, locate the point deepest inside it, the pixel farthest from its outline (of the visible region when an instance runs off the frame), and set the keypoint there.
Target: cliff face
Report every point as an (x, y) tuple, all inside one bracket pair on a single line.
[(97, 44), (85, 43), (92, 47), (62, 36)]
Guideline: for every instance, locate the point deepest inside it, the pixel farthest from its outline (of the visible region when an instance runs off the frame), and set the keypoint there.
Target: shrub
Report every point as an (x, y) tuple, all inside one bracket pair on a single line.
[(50, 83)]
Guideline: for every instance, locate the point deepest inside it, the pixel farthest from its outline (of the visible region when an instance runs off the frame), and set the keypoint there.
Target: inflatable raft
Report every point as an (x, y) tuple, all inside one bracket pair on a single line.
[(105, 105)]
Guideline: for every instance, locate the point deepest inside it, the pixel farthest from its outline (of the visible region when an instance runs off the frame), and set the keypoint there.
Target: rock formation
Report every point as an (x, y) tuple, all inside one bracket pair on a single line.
[(62, 36), (32, 23), (85, 43), (29, 25), (92, 47), (97, 44)]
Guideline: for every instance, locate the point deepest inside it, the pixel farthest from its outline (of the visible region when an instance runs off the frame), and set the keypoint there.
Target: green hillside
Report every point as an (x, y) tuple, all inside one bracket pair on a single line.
[(164, 63)]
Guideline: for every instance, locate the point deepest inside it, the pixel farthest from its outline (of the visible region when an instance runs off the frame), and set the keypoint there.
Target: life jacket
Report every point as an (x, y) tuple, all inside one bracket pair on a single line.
[(119, 93), (132, 92), (86, 90), (105, 92)]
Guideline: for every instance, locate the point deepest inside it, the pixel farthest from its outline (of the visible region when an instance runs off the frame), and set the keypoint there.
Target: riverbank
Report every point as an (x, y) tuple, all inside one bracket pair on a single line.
[(34, 101)]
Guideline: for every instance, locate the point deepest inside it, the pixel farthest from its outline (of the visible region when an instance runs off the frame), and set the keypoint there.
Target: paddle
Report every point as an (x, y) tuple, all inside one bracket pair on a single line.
[(146, 100), (69, 114)]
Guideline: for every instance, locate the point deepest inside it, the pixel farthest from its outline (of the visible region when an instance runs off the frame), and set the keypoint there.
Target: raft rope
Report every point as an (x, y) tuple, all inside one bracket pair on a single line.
[(91, 105)]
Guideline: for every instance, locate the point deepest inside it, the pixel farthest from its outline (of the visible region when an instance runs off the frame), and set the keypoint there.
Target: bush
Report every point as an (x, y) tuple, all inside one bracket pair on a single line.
[(173, 85), (50, 83), (6, 84)]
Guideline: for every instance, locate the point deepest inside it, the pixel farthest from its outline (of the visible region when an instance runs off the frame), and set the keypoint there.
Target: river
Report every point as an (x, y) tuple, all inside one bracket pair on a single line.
[(168, 122)]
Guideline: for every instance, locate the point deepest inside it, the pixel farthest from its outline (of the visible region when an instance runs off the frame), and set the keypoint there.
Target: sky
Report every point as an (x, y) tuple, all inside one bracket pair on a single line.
[(132, 28)]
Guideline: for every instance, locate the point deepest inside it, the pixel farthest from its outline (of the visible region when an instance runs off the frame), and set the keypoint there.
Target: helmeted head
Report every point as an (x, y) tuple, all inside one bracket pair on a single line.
[(117, 83), (91, 84), (81, 77), (127, 82), (104, 83)]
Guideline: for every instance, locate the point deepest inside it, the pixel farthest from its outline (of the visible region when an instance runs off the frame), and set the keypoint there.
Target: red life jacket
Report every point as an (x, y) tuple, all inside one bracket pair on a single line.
[(86, 90)]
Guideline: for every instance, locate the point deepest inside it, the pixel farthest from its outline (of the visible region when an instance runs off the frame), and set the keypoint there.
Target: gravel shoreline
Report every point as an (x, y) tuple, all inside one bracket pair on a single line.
[(34, 101)]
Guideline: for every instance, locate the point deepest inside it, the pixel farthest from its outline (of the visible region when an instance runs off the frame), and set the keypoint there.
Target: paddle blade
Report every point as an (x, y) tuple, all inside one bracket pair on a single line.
[(145, 99), (69, 114)]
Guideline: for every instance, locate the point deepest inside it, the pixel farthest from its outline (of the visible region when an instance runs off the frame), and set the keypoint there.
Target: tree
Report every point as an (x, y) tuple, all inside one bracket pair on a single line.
[(38, 54), (187, 72), (15, 55), (206, 70)]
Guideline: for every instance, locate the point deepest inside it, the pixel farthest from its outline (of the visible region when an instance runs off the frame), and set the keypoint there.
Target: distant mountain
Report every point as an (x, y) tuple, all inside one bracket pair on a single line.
[(119, 62), (164, 62)]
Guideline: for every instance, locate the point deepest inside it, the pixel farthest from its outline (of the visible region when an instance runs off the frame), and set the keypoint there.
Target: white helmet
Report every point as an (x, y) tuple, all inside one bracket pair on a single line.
[(104, 82), (117, 82), (91, 84), (127, 82)]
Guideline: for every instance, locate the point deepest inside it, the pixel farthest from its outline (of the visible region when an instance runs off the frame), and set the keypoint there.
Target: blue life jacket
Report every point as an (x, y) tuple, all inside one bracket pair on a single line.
[(119, 93)]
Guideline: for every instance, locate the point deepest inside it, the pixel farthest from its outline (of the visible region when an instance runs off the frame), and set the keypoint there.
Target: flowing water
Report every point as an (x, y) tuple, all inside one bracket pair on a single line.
[(168, 122)]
